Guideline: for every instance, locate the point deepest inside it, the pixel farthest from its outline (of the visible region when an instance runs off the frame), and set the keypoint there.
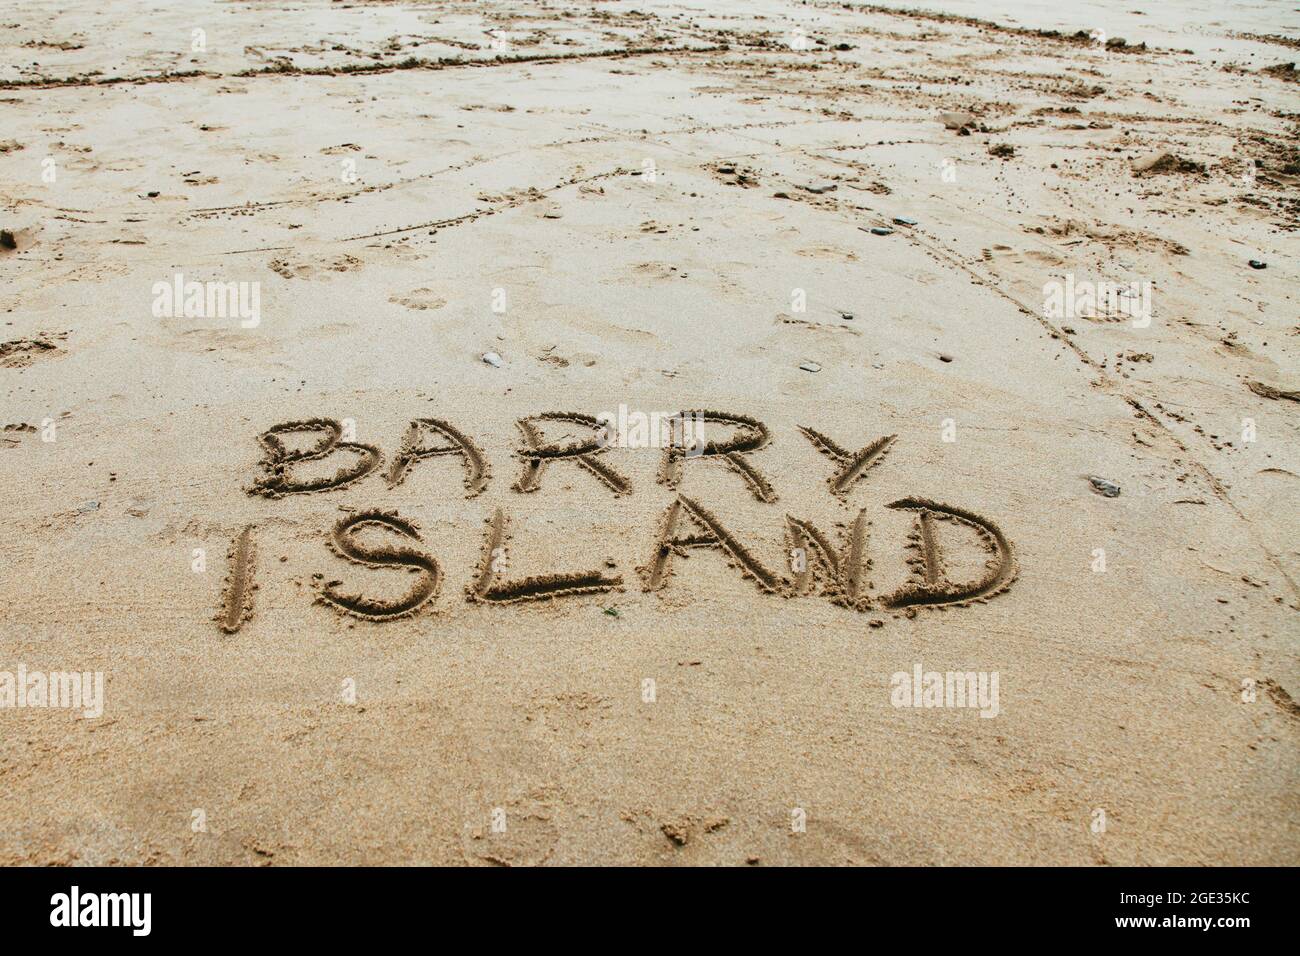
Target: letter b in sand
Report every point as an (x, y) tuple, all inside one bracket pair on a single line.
[(281, 455)]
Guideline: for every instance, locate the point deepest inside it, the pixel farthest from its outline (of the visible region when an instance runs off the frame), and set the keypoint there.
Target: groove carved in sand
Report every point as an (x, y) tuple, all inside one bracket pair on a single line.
[(708, 533), (476, 467), (931, 586), (751, 436), (344, 543), (237, 594), (852, 465), (841, 574), (276, 480), (537, 455), (488, 588)]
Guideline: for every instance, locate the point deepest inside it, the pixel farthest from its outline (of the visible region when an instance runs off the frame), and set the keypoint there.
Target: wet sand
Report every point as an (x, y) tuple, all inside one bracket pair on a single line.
[(367, 585)]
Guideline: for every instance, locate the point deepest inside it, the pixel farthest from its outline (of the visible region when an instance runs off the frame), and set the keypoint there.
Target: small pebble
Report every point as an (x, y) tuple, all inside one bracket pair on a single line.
[(1107, 489)]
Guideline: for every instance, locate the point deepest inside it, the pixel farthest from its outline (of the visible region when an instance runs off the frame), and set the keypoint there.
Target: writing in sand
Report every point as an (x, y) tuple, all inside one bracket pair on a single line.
[(316, 455)]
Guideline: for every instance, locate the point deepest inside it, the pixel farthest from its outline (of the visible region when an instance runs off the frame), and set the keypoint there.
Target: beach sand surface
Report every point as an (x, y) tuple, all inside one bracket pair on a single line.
[(651, 207)]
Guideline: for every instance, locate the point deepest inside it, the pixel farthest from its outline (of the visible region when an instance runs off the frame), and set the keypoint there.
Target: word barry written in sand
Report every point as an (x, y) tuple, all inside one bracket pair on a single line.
[(314, 456)]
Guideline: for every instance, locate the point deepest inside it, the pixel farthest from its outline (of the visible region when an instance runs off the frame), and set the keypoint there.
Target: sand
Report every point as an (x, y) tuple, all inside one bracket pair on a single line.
[(432, 643)]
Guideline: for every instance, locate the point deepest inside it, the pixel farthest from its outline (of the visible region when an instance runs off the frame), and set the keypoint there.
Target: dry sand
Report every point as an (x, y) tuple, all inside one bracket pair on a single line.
[(631, 181)]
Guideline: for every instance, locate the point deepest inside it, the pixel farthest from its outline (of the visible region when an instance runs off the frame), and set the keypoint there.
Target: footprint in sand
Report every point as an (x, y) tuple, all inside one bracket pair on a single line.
[(656, 270), (827, 252), (22, 352), (304, 268), (11, 435), (1019, 256), (419, 299)]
